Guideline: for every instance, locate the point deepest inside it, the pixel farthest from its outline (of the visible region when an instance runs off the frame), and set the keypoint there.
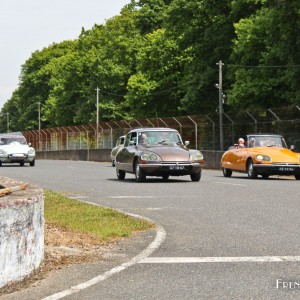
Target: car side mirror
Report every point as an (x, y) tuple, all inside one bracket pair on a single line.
[(186, 143), (132, 143), (292, 147), (29, 144)]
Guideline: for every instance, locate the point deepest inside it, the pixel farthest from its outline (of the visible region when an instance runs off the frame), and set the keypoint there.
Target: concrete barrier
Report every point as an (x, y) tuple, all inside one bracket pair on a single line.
[(212, 158), (21, 232)]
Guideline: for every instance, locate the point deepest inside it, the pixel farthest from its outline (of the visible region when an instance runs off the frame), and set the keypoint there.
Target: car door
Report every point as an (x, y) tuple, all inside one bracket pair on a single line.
[(240, 159), (127, 153)]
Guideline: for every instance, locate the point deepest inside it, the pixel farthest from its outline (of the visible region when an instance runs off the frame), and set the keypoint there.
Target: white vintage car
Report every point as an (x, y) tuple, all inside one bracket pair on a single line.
[(14, 149)]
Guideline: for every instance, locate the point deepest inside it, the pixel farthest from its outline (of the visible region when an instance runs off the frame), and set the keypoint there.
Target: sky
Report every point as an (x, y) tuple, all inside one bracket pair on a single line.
[(30, 25)]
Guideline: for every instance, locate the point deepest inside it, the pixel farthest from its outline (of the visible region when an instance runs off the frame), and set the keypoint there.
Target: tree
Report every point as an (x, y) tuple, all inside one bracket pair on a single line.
[(267, 52)]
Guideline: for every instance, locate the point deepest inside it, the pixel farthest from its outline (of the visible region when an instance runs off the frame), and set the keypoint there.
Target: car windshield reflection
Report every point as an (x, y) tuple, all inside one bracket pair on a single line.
[(151, 138), (266, 141), (11, 140)]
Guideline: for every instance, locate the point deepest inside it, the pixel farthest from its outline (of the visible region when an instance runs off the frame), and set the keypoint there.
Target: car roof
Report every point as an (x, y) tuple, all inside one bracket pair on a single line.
[(153, 129)]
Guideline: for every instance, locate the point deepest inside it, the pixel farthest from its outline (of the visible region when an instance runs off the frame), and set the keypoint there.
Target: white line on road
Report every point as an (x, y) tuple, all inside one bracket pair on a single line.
[(160, 237), (184, 260), (133, 197), (238, 184)]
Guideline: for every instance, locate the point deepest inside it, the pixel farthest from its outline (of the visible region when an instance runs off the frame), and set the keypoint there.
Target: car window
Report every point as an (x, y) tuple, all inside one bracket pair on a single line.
[(266, 141), (120, 141), (130, 137), (10, 140), (161, 137), (127, 139)]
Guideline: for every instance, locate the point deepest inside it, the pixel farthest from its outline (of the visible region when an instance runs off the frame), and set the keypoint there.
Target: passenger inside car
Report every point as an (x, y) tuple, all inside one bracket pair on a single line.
[(252, 143), (143, 139)]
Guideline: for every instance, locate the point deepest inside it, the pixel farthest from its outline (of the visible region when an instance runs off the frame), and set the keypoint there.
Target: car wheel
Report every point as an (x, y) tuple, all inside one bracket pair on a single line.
[(196, 176), (165, 177), (120, 174), (227, 172), (297, 176), (265, 176), (139, 173), (22, 163), (32, 163), (252, 173), (113, 163)]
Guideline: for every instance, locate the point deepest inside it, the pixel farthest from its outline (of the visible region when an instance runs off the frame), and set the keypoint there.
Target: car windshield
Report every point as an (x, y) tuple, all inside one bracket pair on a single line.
[(159, 138), (266, 141), (12, 139)]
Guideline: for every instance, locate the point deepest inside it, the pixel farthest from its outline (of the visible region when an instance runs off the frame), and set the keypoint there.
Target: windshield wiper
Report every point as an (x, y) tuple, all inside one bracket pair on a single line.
[(160, 142)]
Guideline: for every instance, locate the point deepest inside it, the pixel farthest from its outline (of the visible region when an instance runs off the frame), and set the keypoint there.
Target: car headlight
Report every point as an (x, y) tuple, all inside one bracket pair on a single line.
[(150, 157), (31, 151), (260, 157), (196, 157), (3, 152)]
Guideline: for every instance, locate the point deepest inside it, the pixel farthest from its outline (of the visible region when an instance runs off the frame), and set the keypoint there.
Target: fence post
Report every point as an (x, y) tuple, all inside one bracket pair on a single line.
[(179, 126), (277, 119), (163, 122), (232, 123), (196, 131), (150, 122), (111, 135), (214, 130), (255, 121)]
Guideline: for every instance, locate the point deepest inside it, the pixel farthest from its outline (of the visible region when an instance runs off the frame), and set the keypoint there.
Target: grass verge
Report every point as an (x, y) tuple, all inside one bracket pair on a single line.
[(101, 223)]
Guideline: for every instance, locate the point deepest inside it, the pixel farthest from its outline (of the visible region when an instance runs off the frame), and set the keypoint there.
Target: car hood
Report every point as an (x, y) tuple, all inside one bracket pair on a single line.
[(278, 154), (15, 148), (169, 153)]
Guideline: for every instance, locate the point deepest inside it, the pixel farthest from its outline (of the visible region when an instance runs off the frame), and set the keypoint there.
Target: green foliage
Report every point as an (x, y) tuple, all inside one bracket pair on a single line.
[(158, 58), (98, 222), (269, 41)]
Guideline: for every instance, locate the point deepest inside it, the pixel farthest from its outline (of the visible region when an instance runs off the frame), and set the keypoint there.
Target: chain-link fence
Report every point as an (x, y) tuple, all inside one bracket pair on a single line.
[(203, 131)]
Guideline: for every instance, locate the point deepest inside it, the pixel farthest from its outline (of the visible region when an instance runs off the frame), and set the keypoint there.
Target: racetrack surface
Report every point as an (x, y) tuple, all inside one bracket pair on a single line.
[(226, 238)]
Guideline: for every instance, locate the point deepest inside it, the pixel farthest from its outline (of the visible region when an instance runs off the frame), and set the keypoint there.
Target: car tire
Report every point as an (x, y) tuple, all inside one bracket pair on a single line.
[(32, 163), (120, 174), (265, 176), (252, 173), (196, 176), (227, 172), (140, 175), (165, 177), (22, 163), (297, 176), (113, 163)]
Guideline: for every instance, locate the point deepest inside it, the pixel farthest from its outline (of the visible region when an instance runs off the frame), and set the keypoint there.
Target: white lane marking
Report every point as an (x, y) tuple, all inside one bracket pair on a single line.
[(133, 197), (180, 260), (238, 184), (160, 237)]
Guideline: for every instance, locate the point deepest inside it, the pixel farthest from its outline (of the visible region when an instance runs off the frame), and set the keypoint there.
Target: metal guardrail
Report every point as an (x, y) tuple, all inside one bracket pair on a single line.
[(202, 131)]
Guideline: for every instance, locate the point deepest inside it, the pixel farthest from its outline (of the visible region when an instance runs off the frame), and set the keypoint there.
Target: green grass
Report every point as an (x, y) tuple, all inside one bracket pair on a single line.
[(102, 223)]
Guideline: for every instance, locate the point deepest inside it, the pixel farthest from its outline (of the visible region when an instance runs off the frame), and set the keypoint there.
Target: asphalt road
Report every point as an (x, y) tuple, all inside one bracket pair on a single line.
[(220, 238)]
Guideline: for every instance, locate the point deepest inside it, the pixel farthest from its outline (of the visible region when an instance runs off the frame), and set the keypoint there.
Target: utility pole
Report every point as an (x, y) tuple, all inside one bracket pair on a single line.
[(97, 116), (220, 64)]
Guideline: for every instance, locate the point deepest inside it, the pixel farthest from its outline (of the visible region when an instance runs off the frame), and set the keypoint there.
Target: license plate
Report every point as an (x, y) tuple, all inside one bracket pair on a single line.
[(18, 155), (287, 169), (176, 167)]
